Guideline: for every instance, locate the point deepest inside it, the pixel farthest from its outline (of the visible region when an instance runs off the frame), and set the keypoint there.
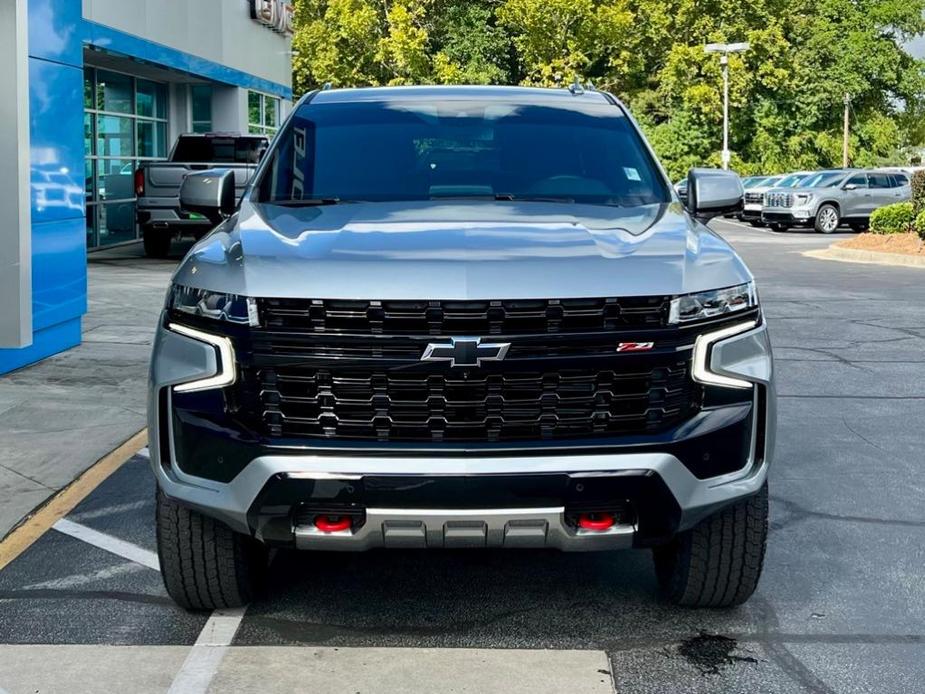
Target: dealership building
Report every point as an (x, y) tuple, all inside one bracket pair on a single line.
[(92, 88)]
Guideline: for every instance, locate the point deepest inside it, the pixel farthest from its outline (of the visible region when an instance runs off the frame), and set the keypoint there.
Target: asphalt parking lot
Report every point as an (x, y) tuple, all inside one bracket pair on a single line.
[(841, 605)]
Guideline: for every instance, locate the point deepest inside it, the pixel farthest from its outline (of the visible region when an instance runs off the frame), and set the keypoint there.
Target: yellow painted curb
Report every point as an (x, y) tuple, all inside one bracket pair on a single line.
[(23, 535)]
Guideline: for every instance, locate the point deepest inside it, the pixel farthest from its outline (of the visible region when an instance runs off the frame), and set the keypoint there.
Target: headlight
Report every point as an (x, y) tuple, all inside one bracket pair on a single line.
[(232, 308), (802, 199), (716, 302)]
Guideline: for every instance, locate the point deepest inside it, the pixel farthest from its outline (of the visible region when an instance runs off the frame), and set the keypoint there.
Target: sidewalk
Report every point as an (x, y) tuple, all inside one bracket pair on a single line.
[(61, 415)]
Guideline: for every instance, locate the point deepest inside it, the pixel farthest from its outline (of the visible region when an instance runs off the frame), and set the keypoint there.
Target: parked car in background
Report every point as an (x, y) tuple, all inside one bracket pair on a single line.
[(157, 184), (754, 196), (828, 199)]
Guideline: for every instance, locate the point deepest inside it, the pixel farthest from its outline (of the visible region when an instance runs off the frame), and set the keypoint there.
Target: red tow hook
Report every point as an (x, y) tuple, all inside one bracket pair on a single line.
[(332, 524), (595, 521)]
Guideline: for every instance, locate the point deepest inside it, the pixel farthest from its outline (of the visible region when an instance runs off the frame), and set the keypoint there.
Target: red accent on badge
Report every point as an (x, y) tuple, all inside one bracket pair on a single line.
[(635, 346)]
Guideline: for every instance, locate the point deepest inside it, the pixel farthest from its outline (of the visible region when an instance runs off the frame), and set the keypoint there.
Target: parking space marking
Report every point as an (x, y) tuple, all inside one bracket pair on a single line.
[(74, 580), (62, 503), (110, 510), (111, 544), (203, 661)]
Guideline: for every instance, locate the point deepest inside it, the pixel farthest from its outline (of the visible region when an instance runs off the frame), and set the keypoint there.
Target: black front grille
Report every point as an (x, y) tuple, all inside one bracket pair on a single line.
[(351, 370), (466, 405), (517, 317), (753, 197)]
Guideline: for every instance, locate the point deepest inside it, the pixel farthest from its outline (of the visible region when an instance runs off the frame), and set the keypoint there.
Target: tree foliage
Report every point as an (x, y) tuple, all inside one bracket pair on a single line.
[(786, 93)]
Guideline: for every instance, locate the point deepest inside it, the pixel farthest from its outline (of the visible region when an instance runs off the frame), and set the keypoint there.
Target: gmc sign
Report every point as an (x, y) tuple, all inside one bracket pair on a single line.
[(275, 14)]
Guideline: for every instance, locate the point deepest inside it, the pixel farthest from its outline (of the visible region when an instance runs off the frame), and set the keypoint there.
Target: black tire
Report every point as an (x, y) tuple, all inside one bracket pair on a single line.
[(157, 242), (755, 224), (827, 219), (717, 563), (205, 565), (777, 226)]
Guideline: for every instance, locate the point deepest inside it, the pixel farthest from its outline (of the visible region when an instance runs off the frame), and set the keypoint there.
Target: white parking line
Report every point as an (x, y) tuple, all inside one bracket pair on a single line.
[(74, 580), (112, 510), (204, 659), (111, 544)]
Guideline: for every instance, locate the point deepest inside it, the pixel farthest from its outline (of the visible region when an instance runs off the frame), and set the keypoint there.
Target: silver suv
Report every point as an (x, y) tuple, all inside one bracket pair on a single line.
[(418, 328), (828, 199)]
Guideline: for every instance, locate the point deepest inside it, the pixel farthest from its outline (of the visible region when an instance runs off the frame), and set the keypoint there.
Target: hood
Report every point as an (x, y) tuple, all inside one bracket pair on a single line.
[(460, 250)]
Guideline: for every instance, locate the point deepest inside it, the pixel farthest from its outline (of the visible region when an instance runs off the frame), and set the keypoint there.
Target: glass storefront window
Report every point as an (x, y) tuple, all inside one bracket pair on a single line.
[(125, 121), (115, 179), (152, 139), (89, 76), (116, 222), (114, 137), (201, 100), (262, 114), (151, 99), (114, 92)]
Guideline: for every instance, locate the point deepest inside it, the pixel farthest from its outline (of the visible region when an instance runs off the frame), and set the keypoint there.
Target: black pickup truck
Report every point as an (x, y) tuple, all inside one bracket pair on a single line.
[(157, 184)]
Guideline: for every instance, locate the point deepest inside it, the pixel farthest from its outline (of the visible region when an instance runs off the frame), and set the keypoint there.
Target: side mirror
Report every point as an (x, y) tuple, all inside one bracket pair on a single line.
[(850, 186), (712, 192), (209, 193)]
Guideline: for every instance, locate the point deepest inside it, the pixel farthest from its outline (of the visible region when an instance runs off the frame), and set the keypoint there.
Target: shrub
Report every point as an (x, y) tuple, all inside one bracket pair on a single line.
[(918, 191), (919, 224), (892, 219)]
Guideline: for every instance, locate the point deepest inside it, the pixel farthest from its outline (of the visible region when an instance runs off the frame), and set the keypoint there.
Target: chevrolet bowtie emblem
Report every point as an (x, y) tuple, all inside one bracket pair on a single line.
[(466, 351)]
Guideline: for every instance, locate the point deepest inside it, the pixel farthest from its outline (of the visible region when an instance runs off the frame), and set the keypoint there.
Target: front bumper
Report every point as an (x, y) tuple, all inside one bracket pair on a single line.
[(465, 497), (789, 217)]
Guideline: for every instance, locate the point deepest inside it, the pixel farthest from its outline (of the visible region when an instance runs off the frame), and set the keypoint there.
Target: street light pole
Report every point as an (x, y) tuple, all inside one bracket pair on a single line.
[(724, 61), (725, 49)]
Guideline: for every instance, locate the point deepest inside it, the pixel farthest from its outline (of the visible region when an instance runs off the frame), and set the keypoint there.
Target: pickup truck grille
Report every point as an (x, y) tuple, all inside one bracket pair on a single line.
[(352, 370), (753, 197), (464, 405), (526, 316), (778, 200)]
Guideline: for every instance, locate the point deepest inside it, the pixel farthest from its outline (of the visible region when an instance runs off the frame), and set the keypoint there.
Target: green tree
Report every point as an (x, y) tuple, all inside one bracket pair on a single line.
[(786, 93)]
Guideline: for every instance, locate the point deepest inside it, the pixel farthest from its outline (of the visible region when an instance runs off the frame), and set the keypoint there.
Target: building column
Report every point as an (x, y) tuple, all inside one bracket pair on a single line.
[(15, 206)]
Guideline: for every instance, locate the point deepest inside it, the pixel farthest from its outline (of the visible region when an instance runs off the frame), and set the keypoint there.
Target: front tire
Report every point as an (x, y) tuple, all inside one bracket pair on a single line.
[(776, 226), (206, 565), (717, 563), (827, 219)]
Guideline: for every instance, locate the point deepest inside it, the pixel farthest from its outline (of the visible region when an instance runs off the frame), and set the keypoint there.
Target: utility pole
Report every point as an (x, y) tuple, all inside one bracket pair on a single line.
[(845, 128), (725, 49)]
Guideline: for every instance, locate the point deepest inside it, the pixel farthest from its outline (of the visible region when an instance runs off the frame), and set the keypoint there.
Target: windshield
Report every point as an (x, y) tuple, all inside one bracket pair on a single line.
[(791, 180), (423, 150), (825, 179)]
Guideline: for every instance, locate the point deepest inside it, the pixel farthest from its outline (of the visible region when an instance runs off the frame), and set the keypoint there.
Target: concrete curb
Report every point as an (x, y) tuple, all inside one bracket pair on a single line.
[(853, 255)]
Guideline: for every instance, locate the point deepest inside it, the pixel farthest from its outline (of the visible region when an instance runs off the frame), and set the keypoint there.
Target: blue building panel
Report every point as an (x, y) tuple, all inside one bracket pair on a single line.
[(56, 31)]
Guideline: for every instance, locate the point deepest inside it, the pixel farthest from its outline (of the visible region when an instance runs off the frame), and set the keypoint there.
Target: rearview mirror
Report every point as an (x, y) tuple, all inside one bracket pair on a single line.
[(712, 192), (209, 193)]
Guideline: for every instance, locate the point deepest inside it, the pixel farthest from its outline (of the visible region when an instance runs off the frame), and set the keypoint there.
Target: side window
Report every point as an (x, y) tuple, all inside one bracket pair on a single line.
[(879, 180), (900, 180), (859, 181)]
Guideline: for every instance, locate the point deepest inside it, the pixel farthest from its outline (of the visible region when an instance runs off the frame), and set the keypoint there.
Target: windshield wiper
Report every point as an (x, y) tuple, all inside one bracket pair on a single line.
[(510, 197)]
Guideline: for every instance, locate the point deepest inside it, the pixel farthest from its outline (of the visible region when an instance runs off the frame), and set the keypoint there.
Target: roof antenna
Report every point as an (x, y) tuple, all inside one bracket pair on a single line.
[(575, 87), (326, 87)]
